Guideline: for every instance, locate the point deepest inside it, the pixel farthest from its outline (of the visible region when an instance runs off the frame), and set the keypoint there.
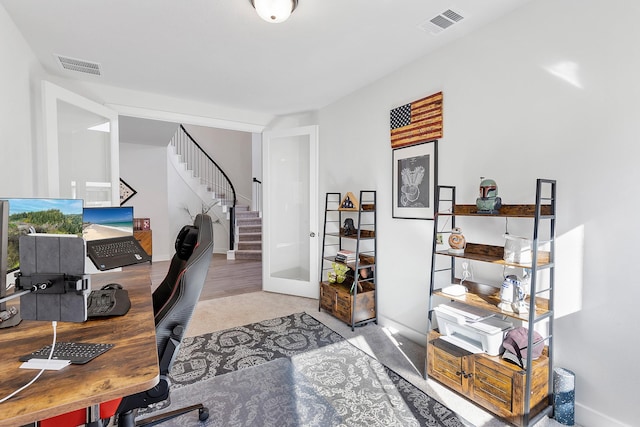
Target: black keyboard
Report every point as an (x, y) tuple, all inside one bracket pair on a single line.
[(78, 353), (111, 249), (117, 252)]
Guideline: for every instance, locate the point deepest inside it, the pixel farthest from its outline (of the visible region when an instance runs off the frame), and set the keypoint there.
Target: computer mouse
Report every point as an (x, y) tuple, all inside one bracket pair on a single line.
[(112, 286)]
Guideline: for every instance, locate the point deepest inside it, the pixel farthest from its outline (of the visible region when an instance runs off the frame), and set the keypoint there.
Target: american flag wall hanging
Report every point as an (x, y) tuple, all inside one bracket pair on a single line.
[(417, 122)]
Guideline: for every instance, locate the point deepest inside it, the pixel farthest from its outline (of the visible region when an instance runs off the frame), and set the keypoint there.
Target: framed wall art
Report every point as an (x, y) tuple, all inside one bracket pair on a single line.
[(126, 192), (417, 121), (415, 174)]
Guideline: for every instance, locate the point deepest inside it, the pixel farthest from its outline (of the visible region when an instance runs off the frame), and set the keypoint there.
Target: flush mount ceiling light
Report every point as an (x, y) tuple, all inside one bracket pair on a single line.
[(274, 11)]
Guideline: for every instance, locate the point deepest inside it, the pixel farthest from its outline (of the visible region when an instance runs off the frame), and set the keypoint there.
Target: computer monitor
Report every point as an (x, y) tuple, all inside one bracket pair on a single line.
[(107, 222), (23, 216), (40, 215)]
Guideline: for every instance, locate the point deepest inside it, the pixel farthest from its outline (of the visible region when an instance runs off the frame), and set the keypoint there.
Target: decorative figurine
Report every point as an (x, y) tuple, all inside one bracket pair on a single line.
[(349, 228), (520, 305), (488, 202), (509, 293), (457, 242), (347, 203)]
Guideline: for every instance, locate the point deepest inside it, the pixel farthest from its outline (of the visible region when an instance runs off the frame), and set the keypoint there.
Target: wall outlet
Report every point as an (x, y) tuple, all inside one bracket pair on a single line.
[(439, 239)]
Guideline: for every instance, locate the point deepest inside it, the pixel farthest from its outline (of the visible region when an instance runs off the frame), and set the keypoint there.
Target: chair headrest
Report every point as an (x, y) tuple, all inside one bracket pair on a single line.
[(186, 241)]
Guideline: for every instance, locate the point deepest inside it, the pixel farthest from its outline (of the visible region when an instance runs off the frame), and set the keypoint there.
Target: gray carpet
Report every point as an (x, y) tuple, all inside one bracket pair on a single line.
[(293, 371)]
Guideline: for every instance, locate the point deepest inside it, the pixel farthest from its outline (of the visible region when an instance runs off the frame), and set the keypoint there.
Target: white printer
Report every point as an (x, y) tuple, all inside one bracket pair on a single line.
[(470, 329)]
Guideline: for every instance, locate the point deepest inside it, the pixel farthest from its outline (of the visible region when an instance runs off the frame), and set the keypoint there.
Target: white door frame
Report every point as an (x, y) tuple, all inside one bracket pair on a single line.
[(51, 94)]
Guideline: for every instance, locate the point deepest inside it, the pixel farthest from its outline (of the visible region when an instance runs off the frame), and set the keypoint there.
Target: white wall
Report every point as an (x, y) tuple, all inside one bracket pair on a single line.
[(147, 105), (143, 167), (232, 152), (18, 103), (509, 117)]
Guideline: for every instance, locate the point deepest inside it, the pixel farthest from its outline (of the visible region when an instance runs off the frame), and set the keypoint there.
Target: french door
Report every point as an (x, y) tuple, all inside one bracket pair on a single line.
[(290, 216)]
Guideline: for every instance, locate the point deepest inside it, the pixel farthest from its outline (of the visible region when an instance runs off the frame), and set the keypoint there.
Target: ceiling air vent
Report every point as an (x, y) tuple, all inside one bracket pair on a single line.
[(79, 65), (441, 22)]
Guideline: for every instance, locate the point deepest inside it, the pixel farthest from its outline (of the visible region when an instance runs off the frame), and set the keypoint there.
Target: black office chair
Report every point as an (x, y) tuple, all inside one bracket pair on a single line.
[(173, 304)]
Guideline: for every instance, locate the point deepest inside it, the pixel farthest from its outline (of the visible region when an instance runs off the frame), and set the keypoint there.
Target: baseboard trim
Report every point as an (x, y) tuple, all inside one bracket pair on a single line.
[(588, 417), (407, 332)]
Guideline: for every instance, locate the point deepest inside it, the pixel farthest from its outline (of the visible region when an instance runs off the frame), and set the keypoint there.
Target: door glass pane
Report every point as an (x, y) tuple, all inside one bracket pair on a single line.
[(290, 228), (84, 148)]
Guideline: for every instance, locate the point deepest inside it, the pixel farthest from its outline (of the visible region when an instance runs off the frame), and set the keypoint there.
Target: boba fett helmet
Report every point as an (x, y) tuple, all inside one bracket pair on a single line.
[(488, 188), (488, 202)]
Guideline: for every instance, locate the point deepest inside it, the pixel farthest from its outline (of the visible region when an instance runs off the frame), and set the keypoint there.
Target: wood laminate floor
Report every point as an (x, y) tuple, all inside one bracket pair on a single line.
[(225, 277)]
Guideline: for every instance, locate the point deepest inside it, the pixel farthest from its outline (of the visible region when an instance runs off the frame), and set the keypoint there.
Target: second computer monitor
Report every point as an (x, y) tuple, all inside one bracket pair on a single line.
[(107, 222)]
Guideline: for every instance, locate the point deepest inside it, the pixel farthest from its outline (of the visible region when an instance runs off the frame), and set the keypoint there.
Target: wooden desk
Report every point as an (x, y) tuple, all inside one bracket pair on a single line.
[(129, 367), (145, 237)]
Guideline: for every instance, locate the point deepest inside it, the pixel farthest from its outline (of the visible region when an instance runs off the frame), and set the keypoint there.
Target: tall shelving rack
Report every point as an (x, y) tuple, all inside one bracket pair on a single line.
[(527, 392), (355, 303)]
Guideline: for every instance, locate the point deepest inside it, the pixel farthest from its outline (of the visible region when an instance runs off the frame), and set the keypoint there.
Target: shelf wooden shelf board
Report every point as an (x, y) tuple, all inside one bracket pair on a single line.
[(347, 286), (513, 211), (495, 255), (351, 264), (352, 236), (487, 297), (364, 208)]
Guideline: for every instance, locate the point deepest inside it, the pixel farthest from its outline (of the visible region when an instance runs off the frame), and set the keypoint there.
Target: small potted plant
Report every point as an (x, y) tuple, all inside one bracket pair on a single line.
[(338, 274)]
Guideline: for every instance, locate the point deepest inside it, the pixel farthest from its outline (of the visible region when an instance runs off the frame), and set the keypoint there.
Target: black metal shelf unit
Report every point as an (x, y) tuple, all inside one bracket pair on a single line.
[(541, 295), (355, 300)]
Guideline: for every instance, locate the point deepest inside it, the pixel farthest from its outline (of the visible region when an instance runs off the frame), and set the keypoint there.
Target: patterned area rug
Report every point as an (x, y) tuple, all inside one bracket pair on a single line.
[(293, 371)]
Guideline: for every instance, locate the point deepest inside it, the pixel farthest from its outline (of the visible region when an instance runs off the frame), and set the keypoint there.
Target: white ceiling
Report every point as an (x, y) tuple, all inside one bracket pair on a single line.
[(145, 131), (221, 52)]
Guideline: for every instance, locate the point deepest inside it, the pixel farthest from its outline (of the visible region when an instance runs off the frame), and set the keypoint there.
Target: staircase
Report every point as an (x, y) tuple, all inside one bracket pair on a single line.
[(214, 188), (203, 175), (203, 190), (248, 234)]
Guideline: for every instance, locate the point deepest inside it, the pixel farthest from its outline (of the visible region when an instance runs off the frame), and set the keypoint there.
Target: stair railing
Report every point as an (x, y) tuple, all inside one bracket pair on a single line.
[(209, 172), (257, 195)]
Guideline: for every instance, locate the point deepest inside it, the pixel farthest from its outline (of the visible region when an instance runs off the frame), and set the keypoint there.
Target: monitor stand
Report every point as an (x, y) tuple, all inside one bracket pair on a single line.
[(12, 317), (9, 316)]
